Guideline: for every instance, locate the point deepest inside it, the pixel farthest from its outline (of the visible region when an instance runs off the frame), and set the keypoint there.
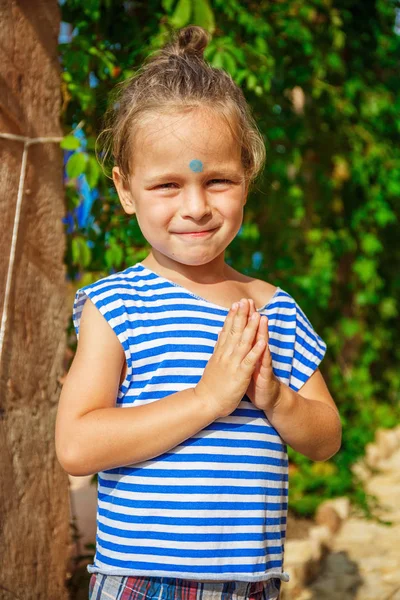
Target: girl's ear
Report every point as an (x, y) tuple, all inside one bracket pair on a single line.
[(124, 191)]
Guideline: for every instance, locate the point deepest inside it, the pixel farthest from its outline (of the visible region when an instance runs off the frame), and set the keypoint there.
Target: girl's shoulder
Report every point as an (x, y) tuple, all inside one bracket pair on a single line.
[(261, 291)]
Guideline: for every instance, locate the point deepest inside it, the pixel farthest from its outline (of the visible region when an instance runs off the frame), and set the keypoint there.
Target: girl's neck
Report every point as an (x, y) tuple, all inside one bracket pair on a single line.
[(214, 272)]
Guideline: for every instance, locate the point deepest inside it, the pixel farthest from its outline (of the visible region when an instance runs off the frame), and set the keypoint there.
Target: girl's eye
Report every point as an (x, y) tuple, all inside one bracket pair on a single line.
[(167, 185), (221, 180)]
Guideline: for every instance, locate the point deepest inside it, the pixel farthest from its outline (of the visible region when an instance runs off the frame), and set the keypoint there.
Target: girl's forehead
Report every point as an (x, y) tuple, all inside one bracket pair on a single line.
[(187, 139), (195, 128)]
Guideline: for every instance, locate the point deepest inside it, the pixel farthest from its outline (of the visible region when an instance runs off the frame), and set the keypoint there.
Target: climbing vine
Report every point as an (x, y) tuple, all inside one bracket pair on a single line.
[(321, 222)]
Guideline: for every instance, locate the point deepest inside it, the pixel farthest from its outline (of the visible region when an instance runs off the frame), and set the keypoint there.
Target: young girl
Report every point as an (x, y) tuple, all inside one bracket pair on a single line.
[(180, 398)]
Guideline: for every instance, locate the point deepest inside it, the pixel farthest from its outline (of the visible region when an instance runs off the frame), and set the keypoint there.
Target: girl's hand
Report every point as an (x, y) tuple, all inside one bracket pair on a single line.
[(264, 388), (228, 372)]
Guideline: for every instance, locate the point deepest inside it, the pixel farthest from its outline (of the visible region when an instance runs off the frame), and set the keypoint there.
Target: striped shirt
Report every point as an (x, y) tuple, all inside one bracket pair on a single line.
[(215, 506)]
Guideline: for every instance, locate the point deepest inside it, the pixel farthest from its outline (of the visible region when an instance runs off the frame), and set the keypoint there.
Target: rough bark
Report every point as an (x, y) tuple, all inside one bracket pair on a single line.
[(34, 504)]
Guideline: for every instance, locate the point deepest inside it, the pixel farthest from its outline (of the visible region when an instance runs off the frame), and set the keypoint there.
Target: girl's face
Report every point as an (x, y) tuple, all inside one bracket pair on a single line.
[(187, 176)]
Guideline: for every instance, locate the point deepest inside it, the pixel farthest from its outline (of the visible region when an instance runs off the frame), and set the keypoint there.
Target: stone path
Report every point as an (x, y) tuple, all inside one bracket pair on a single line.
[(364, 563)]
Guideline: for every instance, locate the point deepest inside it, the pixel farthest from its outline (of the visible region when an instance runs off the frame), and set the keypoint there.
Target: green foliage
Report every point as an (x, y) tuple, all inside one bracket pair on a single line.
[(194, 12), (70, 142), (182, 13), (76, 164), (80, 251), (322, 81)]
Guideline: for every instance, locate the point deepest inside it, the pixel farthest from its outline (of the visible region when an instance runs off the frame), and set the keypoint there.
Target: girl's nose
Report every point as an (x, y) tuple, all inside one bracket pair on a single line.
[(195, 204)]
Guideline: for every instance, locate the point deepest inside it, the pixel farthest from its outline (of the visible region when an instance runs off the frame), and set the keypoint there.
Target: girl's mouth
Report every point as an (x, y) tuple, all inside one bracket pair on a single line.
[(197, 233)]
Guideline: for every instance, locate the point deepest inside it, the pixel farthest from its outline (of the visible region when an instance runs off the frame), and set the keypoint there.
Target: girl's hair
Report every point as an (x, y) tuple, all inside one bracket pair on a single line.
[(175, 79)]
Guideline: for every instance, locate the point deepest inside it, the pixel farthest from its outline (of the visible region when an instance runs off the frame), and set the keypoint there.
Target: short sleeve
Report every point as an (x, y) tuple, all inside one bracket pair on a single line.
[(308, 351), (109, 303)]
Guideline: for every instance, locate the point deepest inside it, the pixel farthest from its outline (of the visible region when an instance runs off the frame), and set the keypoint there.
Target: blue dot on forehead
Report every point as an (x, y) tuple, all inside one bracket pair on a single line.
[(196, 166)]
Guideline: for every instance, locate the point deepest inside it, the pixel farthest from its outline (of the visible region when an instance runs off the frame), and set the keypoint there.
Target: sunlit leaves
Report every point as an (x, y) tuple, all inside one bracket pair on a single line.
[(92, 171), (70, 142), (370, 244), (388, 308), (114, 255), (182, 13), (203, 15), (81, 254), (92, 9), (365, 268), (76, 164), (195, 12), (81, 163), (249, 231)]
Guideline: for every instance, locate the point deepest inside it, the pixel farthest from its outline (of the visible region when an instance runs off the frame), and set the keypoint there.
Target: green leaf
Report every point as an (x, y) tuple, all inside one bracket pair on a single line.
[(239, 55), (339, 39), (349, 327), (250, 231), (106, 58), (92, 171), (388, 308), (114, 255), (218, 60), (251, 81), (365, 268), (86, 255), (90, 142), (88, 278), (203, 15), (240, 76), (229, 63), (182, 14), (296, 192), (81, 254), (167, 5), (370, 244), (261, 45), (384, 215), (334, 61), (76, 164), (92, 9), (70, 142), (314, 236)]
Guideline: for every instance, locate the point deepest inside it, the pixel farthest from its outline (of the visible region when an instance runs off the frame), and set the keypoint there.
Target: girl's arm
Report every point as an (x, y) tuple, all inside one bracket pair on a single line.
[(308, 420), (91, 433)]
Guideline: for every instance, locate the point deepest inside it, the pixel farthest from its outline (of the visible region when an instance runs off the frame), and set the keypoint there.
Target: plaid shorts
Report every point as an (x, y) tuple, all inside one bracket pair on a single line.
[(115, 587)]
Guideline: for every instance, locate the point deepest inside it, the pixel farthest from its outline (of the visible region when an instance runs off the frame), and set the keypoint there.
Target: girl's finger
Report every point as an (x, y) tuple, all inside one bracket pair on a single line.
[(263, 326), (252, 308), (266, 329), (259, 335), (227, 323), (239, 329)]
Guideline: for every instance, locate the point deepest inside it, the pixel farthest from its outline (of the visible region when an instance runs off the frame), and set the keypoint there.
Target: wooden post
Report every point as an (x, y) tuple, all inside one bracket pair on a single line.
[(34, 504)]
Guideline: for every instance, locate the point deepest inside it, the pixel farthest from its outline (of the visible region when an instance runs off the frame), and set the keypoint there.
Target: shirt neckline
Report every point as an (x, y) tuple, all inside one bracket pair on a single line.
[(144, 268)]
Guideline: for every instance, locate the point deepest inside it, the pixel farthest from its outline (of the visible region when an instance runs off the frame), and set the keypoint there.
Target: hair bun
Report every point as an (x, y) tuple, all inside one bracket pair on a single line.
[(192, 40)]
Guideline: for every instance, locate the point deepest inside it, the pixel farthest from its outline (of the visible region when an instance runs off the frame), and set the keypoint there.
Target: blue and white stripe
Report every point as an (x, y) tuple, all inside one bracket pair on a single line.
[(215, 506)]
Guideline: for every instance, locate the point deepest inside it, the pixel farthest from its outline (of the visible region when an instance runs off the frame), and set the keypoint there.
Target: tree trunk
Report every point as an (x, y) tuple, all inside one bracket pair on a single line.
[(34, 504)]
